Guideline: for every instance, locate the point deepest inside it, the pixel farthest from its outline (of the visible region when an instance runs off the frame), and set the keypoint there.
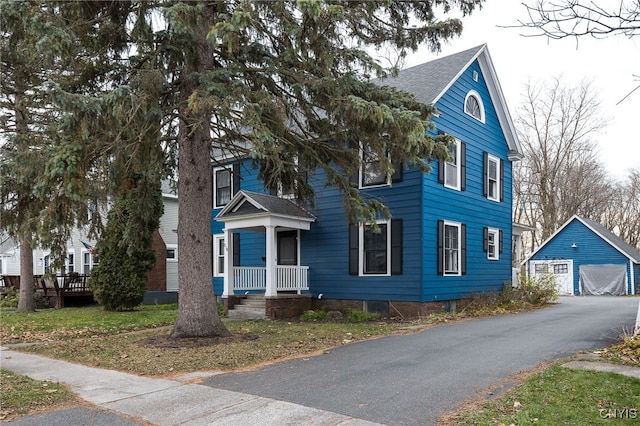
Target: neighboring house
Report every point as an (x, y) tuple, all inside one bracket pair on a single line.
[(586, 258), (450, 232), (162, 281)]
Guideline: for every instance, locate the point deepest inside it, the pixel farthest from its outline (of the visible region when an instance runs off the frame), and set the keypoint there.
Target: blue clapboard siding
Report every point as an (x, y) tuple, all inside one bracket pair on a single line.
[(253, 244), (591, 250), (420, 201), (326, 247), (469, 207)]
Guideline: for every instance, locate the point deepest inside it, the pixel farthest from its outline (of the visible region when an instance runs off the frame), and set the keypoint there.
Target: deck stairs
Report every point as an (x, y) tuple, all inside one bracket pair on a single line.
[(251, 307)]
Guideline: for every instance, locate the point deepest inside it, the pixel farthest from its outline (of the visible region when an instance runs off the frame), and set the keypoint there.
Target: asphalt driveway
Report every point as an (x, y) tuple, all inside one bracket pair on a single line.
[(413, 379)]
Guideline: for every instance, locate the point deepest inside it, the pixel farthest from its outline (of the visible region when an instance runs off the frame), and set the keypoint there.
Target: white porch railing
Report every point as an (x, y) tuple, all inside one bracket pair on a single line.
[(288, 278)]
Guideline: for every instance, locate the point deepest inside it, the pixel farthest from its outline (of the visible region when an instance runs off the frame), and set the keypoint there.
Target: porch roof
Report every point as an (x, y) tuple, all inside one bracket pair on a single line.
[(251, 209)]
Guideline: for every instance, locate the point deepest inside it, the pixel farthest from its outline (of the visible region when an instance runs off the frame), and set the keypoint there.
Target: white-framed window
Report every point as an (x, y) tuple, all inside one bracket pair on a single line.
[(1, 265), (71, 265), (375, 249), (541, 268), (172, 252), (218, 255), (89, 261), (473, 105), (493, 241), (451, 249), (452, 167), (223, 186), (493, 178), (371, 173), (47, 263)]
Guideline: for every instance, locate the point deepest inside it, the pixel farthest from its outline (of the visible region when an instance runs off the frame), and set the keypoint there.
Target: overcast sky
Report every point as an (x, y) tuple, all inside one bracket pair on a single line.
[(608, 64)]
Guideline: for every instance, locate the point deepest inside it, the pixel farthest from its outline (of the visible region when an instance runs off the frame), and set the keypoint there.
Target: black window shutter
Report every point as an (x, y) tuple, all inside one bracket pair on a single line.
[(501, 180), (441, 171), (236, 249), (485, 174), (463, 249), (353, 249), (485, 239), (439, 256), (463, 166), (397, 172), (235, 179), (396, 247), (500, 243)]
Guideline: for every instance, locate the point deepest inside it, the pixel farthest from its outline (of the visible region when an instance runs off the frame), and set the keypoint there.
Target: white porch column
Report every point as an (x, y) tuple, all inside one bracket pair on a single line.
[(271, 260), (228, 263)]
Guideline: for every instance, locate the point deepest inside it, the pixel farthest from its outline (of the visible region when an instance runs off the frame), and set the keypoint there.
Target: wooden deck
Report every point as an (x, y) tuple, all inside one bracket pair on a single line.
[(56, 290)]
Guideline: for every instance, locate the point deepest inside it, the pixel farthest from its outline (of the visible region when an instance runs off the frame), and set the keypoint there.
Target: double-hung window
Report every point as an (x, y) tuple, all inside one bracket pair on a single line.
[(492, 243), (493, 186), (452, 167), (220, 249), (452, 172), (376, 250), (371, 173), (218, 255), (226, 183), (451, 248), (223, 187)]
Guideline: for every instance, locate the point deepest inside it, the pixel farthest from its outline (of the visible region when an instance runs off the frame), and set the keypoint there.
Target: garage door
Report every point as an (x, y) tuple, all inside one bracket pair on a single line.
[(600, 280), (562, 270)]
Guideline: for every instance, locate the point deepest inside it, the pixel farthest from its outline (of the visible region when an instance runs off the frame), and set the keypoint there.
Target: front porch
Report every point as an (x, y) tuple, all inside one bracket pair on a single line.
[(254, 278), (282, 277)]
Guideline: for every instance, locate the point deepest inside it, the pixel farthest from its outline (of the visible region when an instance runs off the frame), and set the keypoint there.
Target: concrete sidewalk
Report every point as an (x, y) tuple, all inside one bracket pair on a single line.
[(127, 399)]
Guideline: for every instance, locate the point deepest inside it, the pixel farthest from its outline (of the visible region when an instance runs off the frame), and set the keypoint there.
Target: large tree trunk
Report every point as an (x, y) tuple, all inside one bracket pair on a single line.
[(197, 311), (26, 303)]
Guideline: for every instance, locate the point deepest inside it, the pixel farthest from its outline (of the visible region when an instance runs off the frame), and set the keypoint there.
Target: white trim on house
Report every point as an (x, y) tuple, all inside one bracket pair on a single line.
[(495, 245), (498, 182), (215, 186), (478, 98), (362, 251), (458, 260), (218, 271), (448, 166)]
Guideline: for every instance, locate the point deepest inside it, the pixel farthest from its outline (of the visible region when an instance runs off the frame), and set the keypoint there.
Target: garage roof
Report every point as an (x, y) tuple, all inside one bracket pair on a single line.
[(618, 243)]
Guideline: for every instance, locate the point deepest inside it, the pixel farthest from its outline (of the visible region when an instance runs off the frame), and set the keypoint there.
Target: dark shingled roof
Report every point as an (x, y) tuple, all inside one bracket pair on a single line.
[(429, 80), (616, 241), (269, 204)]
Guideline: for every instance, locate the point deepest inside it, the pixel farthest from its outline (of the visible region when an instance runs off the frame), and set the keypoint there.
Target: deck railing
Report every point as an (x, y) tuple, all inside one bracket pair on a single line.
[(288, 278)]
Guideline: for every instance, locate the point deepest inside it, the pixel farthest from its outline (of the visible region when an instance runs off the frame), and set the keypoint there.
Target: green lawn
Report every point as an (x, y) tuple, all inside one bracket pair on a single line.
[(560, 396)]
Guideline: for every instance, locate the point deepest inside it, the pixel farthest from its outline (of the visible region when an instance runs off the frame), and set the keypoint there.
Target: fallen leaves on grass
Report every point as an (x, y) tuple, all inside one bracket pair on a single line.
[(167, 342)]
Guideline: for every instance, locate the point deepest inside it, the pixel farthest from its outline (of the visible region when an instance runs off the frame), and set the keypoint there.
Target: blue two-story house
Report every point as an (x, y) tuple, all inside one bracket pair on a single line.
[(448, 238)]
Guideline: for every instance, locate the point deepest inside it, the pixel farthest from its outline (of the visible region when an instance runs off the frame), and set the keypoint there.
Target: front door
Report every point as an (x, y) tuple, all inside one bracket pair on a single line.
[(287, 248)]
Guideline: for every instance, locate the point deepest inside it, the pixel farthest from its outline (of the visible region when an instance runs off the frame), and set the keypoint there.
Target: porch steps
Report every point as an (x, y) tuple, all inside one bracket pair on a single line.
[(252, 307)]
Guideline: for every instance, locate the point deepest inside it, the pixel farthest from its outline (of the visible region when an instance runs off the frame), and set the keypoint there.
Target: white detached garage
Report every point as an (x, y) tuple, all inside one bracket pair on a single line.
[(586, 258)]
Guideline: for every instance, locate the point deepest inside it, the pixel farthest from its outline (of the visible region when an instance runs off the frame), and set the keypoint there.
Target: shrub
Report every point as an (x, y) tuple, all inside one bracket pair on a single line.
[(314, 316), (356, 315), (125, 251), (9, 299), (538, 290)]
